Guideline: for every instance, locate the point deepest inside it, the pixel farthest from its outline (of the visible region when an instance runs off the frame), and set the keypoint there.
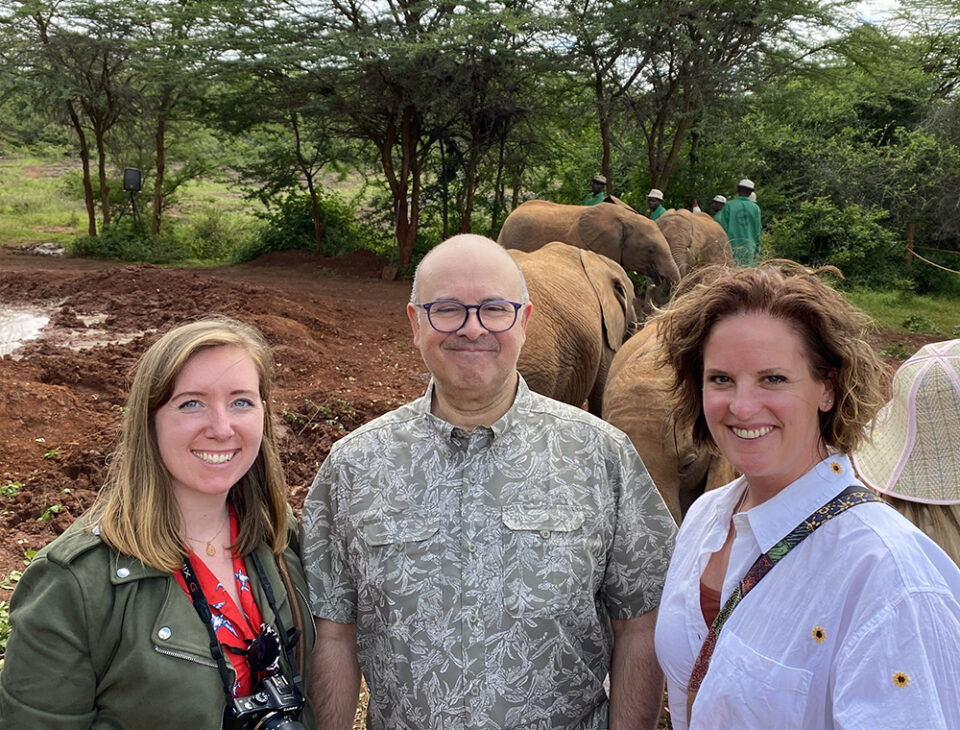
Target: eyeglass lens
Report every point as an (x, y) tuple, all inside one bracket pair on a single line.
[(449, 316)]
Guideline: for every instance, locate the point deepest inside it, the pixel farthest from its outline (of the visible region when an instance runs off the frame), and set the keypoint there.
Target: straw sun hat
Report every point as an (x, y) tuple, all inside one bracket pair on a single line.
[(914, 451)]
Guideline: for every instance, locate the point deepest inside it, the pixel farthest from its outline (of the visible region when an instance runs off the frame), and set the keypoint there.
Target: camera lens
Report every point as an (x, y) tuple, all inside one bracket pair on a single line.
[(279, 722)]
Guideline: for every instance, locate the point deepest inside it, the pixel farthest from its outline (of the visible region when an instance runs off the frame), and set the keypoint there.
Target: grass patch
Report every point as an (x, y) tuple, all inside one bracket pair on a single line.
[(33, 205), (900, 311)]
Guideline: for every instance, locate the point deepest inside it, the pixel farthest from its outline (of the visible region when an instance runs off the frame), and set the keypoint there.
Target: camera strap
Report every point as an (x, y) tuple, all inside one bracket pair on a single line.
[(288, 639), (203, 608)]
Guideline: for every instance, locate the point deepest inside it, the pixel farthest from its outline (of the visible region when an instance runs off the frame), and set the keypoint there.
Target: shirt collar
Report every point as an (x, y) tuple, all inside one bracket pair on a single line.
[(521, 405), (775, 518)]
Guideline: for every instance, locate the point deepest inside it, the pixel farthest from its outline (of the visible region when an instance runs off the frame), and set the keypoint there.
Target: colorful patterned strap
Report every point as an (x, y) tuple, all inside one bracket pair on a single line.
[(849, 497)]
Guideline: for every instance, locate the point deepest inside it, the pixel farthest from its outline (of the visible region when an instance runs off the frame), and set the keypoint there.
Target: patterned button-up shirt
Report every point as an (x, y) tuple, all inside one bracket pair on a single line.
[(482, 568)]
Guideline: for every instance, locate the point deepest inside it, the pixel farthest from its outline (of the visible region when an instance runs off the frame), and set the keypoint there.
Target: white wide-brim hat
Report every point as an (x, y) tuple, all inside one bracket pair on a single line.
[(914, 450)]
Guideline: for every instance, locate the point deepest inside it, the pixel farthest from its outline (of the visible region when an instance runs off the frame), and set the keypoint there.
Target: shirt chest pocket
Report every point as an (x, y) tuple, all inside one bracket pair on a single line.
[(546, 560), (744, 688), (400, 567)]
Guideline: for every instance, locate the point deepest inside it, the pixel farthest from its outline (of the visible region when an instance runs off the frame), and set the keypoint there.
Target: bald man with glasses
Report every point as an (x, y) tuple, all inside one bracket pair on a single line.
[(484, 554)]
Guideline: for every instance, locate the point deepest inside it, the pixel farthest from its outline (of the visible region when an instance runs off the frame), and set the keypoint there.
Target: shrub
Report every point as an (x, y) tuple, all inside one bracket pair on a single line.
[(123, 241), (289, 225), (850, 238)]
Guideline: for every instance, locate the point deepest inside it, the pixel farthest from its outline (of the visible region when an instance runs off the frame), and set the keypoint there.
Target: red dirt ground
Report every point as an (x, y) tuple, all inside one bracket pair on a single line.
[(340, 338), (339, 335)]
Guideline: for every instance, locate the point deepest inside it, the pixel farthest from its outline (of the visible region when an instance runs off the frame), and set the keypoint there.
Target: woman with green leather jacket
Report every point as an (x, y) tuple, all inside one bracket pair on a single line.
[(179, 600)]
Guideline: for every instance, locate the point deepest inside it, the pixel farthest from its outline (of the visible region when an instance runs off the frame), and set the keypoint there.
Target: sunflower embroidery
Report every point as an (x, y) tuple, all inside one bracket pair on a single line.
[(836, 468), (900, 679), (819, 635)]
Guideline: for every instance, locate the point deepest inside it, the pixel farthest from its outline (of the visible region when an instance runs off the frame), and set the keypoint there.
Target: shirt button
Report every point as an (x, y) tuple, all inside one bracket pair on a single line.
[(123, 572), (475, 690), (471, 547), (164, 633), (544, 534)]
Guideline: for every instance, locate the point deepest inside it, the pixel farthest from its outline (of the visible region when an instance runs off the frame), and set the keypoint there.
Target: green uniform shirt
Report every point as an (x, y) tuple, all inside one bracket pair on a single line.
[(740, 218), (593, 198), (657, 212)]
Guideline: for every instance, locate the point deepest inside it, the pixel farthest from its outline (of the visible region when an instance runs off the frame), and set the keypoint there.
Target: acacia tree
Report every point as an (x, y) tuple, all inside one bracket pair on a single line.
[(72, 57), (173, 49), (661, 65), (392, 76)]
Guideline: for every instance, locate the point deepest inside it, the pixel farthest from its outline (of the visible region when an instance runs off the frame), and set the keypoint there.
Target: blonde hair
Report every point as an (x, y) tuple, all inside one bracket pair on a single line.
[(136, 511), (940, 522), (831, 329)]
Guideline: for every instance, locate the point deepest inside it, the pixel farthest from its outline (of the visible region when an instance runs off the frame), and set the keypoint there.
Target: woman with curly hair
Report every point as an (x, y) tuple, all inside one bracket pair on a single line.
[(857, 627)]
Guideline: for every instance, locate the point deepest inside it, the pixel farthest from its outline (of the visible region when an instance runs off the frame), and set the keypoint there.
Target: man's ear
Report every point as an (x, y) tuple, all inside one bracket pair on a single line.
[(413, 314)]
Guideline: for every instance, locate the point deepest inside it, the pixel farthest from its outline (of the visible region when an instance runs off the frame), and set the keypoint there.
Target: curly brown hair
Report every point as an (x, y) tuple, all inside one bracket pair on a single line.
[(832, 331)]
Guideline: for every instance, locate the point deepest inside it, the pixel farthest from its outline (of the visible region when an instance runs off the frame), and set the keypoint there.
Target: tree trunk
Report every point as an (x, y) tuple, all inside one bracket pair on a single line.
[(85, 162), (102, 173), (470, 179), (444, 190), (319, 226), (911, 228), (498, 190), (161, 160)]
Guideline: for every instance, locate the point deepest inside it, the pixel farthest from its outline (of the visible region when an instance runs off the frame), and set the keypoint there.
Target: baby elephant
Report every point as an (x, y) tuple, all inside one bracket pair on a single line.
[(583, 310)]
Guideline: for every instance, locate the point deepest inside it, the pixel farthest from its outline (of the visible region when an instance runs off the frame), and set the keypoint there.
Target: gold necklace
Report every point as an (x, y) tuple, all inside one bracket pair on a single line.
[(211, 549)]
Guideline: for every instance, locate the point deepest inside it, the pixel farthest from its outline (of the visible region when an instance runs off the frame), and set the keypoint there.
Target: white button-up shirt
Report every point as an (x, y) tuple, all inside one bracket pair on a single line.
[(857, 627)]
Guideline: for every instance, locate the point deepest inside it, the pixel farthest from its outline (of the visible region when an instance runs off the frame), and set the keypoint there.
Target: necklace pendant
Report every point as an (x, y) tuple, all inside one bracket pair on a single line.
[(211, 550)]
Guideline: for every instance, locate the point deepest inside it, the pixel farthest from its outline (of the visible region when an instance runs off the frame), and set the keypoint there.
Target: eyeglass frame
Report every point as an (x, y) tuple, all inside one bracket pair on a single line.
[(466, 314)]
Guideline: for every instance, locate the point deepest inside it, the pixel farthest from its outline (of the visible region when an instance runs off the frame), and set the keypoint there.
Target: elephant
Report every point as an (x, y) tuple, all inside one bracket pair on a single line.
[(695, 240), (583, 310), (637, 402), (611, 229)]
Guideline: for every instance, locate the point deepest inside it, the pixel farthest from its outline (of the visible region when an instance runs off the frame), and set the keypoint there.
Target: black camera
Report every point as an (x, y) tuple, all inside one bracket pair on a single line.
[(274, 706)]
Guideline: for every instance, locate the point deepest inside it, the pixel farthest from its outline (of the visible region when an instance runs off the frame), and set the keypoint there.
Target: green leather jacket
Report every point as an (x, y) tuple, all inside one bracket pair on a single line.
[(100, 641)]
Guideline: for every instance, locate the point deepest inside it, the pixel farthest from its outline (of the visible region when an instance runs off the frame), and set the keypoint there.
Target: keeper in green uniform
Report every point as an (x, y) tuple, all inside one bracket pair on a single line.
[(655, 201), (598, 187), (740, 218)]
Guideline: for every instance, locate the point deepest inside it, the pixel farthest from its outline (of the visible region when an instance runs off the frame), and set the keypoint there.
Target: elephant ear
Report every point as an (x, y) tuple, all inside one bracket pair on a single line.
[(599, 228), (679, 232), (611, 294)]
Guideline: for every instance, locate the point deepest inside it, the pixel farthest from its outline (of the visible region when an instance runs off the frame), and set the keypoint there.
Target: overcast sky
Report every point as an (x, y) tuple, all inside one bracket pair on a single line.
[(873, 11)]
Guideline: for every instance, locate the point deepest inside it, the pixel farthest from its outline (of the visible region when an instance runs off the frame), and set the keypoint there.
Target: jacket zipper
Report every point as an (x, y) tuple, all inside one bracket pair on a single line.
[(188, 657)]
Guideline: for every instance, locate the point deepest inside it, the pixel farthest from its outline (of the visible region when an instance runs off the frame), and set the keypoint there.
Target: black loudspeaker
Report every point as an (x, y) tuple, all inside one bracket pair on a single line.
[(131, 180)]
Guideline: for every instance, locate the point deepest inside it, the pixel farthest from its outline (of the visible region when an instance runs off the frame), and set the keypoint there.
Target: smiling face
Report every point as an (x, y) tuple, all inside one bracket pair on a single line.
[(761, 402), (210, 430), (473, 369)]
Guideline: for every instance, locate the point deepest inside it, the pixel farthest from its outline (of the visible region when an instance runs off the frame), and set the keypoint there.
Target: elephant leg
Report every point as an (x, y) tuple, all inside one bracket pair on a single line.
[(595, 399)]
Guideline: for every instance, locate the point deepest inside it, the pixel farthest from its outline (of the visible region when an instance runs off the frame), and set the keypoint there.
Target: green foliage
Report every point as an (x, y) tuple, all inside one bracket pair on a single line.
[(289, 225), (72, 185), (10, 489), (919, 323), (891, 309), (124, 241), (211, 234), (819, 233), (50, 512), (898, 350)]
